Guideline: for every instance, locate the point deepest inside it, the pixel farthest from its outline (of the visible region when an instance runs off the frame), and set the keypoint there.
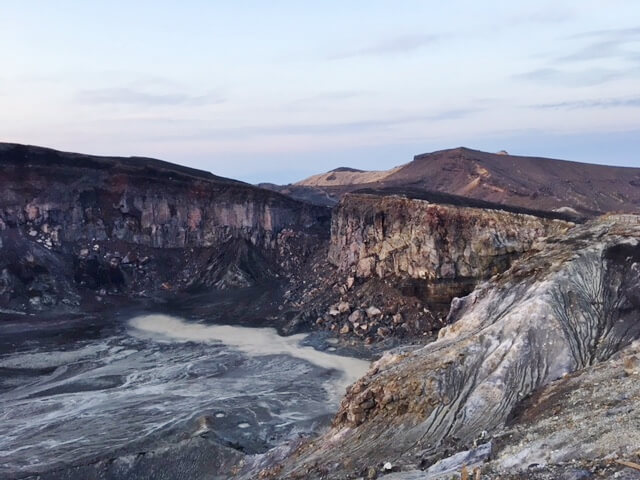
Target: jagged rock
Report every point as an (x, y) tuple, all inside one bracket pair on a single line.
[(631, 364), (397, 319), (384, 332), (344, 307), (356, 316), (443, 249), (373, 312), (345, 329), (350, 282)]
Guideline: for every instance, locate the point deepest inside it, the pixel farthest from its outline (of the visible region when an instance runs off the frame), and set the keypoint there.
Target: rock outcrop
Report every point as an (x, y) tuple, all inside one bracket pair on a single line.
[(437, 246), (134, 224), (571, 306), (405, 255)]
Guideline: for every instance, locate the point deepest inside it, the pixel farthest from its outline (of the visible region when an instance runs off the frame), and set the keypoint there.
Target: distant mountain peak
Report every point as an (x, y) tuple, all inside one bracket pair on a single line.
[(530, 182), (345, 169)]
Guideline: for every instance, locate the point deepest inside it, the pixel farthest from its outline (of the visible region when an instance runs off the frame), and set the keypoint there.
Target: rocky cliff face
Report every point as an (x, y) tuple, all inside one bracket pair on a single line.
[(398, 258), (439, 250), (138, 224), (571, 306)]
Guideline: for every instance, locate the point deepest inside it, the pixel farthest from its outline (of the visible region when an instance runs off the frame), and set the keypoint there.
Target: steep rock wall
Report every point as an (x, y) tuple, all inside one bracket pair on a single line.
[(138, 201), (441, 249), (168, 224)]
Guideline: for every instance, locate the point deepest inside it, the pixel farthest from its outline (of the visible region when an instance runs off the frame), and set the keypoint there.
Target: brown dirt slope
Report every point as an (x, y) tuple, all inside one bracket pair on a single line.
[(530, 182)]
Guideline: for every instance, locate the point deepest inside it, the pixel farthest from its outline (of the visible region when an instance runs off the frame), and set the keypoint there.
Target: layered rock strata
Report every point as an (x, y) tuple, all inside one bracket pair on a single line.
[(435, 248), (138, 224)]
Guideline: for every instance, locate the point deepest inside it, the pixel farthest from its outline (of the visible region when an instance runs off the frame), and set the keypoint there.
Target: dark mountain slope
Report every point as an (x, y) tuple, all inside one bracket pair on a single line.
[(539, 183), (536, 183)]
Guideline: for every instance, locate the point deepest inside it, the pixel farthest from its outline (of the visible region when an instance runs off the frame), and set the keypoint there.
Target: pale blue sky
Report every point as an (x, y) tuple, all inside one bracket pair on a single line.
[(278, 90)]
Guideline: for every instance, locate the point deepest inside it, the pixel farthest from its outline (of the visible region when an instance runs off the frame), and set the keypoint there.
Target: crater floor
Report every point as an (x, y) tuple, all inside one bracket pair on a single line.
[(125, 396)]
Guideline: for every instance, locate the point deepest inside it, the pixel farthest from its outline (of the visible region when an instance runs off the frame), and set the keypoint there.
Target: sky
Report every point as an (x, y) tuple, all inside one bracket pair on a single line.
[(278, 90)]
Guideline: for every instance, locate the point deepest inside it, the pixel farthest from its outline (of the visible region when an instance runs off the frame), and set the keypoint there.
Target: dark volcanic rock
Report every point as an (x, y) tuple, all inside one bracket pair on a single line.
[(137, 225), (313, 195)]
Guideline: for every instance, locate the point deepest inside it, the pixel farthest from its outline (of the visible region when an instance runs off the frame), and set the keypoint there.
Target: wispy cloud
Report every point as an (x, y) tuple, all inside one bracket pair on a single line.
[(593, 103), (333, 128), (544, 16), (328, 97), (453, 114), (617, 43), (391, 46), (595, 51), (586, 77), (130, 96), (620, 33)]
